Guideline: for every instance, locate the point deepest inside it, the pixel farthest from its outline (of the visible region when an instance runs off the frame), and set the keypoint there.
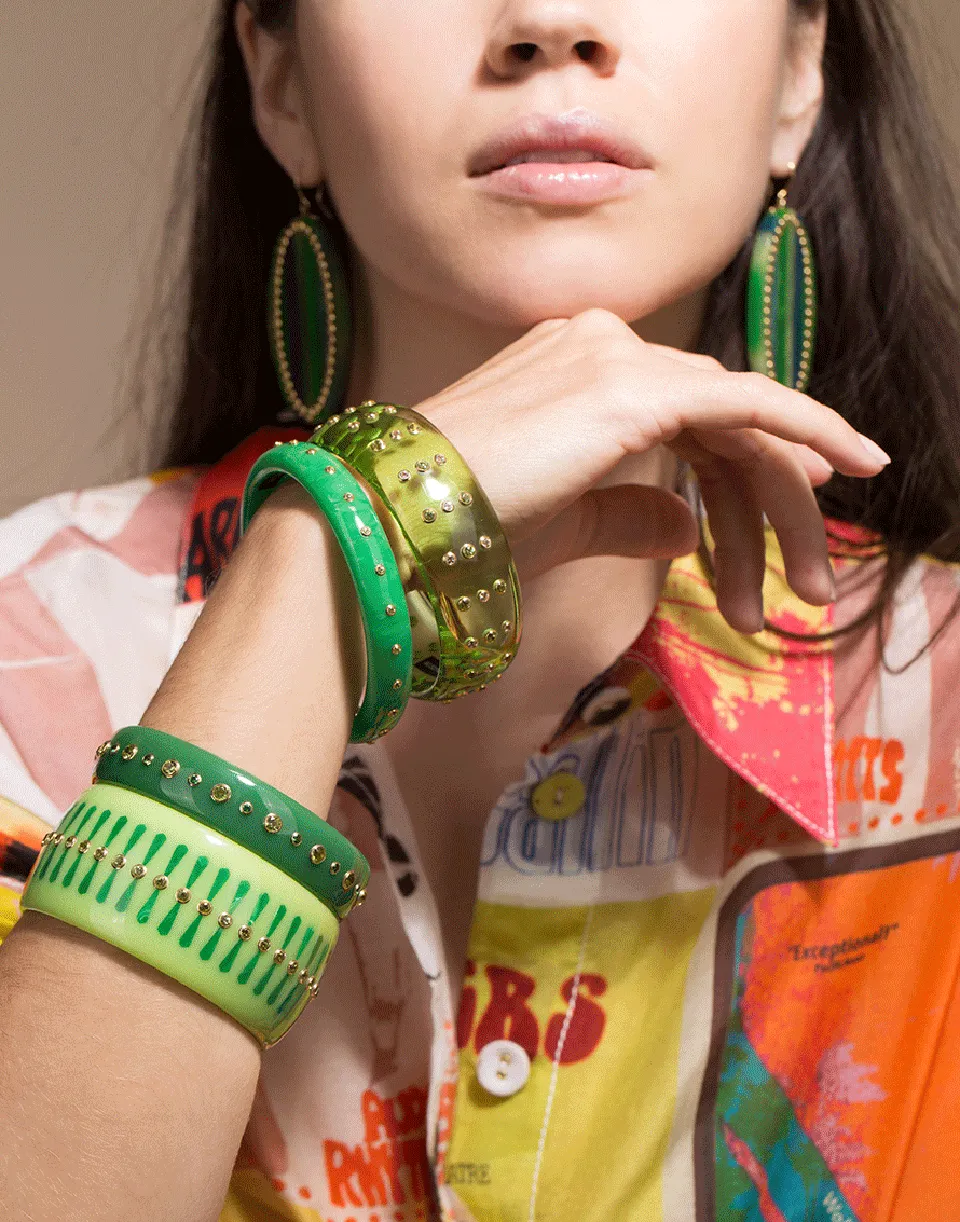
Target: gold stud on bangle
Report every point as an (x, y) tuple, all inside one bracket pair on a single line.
[(194, 779), (396, 651), (103, 749), (263, 944), (379, 445), (279, 956), (395, 435), (465, 498), (500, 586), (160, 882), (139, 871), (293, 967), (83, 846), (365, 530), (468, 551), (303, 975), (449, 558), (380, 570), (147, 760), (221, 793), (170, 768), (100, 853), (429, 515), (296, 839), (390, 609), (334, 867), (349, 879), (224, 920), (119, 862), (403, 475), (421, 466), (129, 752), (330, 470), (361, 898), (183, 895), (273, 823), (246, 808), (244, 933), (318, 854), (204, 907), (71, 841)]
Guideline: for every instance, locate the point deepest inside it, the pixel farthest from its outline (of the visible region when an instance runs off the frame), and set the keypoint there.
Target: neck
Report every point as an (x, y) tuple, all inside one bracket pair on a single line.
[(408, 349)]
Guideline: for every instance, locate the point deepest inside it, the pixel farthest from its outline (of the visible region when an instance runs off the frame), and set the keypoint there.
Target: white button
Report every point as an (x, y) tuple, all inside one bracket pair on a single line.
[(503, 1068)]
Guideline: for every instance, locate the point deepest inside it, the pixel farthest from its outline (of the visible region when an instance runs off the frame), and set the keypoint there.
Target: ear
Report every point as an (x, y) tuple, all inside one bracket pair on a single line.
[(802, 92), (279, 100)]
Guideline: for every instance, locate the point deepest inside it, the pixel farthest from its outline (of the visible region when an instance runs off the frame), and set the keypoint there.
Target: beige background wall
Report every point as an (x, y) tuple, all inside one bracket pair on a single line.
[(92, 101)]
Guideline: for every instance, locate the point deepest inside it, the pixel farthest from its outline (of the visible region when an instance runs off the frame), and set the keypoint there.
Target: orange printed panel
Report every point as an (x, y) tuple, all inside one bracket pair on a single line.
[(838, 1076)]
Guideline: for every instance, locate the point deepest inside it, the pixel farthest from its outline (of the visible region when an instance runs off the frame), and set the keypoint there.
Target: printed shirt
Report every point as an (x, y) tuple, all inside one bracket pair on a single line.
[(714, 960)]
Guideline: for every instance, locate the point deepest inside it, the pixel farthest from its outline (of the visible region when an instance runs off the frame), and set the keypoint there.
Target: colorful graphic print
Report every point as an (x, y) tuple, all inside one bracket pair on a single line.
[(595, 997), (837, 1011)]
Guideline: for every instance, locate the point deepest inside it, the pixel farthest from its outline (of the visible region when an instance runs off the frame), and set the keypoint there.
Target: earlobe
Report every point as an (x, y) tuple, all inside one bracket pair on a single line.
[(278, 101), (802, 95)]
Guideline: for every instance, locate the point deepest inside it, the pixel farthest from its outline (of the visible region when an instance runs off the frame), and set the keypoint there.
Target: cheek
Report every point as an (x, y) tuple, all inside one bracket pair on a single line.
[(718, 82), (385, 80)]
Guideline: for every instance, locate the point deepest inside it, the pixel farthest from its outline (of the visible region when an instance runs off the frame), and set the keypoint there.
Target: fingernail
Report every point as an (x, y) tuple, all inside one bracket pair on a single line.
[(871, 447)]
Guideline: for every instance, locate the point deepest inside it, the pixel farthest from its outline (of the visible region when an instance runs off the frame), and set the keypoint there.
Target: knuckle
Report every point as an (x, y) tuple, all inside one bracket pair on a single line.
[(597, 321)]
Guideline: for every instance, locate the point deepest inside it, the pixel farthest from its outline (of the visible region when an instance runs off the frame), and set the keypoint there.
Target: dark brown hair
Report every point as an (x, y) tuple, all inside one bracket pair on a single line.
[(872, 187)]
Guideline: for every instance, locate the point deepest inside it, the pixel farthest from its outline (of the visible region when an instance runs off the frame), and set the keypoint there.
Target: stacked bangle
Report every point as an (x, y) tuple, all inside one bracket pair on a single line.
[(459, 578), (190, 902), (383, 608), (240, 807)]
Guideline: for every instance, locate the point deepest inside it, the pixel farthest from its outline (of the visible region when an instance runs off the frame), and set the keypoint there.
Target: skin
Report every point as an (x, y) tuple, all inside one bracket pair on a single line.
[(535, 322), (386, 104)]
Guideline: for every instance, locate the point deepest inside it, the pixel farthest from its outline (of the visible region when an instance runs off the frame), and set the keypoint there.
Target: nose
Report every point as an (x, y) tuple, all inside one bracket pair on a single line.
[(551, 34)]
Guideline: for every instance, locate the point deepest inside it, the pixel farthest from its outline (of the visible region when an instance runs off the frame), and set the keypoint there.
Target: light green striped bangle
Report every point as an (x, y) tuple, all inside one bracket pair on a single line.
[(190, 902)]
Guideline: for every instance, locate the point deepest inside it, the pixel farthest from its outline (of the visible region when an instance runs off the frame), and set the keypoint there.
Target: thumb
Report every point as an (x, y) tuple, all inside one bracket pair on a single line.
[(632, 520)]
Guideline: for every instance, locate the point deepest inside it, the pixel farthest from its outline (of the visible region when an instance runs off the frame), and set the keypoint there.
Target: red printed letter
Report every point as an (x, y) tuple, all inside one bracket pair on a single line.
[(586, 1025)]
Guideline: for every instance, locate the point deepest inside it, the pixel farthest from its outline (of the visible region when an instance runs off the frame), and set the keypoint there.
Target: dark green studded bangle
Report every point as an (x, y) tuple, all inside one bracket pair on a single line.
[(455, 563), (190, 902), (373, 567), (241, 807)]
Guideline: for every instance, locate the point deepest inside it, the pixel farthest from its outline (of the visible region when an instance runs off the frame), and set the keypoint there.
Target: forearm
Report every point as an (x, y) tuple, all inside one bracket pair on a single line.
[(122, 1093)]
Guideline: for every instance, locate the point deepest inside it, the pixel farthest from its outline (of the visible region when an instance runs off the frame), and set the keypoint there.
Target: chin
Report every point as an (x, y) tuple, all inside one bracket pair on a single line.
[(522, 302)]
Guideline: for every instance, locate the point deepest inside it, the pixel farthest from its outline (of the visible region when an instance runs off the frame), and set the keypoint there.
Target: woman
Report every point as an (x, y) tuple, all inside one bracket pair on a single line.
[(708, 969)]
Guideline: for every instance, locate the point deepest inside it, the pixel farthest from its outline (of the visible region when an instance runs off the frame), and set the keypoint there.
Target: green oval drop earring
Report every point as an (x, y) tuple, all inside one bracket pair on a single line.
[(309, 314), (782, 297)]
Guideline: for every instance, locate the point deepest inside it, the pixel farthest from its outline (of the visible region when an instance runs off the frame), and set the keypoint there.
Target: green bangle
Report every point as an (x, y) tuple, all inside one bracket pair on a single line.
[(455, 561), (238, 805), (192, 904), (383, 608)]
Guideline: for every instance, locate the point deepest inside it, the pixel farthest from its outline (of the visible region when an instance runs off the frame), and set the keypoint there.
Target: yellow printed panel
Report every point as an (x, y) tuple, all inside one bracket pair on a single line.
[(616, 1057)]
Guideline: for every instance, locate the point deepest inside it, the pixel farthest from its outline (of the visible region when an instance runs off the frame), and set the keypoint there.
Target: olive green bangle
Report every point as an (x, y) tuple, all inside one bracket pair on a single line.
[(455, 563), (373, 567), (190, 902), (238, 805)]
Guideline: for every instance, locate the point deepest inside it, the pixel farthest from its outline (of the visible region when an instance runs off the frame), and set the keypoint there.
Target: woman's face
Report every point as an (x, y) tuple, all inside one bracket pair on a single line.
[(391, 103)]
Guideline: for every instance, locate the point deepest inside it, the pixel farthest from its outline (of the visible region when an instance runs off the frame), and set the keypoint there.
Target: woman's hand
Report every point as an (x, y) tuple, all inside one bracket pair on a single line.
[(545, 420)]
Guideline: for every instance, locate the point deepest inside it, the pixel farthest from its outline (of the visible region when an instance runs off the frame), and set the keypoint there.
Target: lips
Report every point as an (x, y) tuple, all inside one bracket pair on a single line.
[(578, 137)]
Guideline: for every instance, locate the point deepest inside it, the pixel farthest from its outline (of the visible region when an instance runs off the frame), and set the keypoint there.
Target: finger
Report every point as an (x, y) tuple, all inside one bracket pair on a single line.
[(817, 469), (753, 401), (739, 552), (783, 492), (631, 520)]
